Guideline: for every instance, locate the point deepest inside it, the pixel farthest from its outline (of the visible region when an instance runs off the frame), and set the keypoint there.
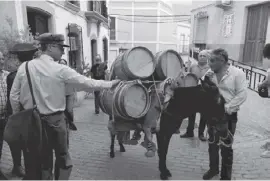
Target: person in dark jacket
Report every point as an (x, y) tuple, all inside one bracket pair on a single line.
[(98, 72), (24, 52)]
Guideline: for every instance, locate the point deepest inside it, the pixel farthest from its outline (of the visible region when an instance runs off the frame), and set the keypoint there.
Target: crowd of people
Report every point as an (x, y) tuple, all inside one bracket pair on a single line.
[(54, 85)]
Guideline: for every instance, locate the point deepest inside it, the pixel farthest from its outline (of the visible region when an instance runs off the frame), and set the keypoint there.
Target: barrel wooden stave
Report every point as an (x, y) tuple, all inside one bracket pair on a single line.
[(168, 64)]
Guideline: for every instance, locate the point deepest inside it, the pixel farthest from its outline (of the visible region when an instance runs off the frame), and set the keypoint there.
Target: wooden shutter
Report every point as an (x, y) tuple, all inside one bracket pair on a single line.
[(257, 21), (201, 30), (112, 29)]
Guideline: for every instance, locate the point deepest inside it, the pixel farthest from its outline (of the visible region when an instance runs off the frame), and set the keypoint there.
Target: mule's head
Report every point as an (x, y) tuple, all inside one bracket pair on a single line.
[(214, 102)]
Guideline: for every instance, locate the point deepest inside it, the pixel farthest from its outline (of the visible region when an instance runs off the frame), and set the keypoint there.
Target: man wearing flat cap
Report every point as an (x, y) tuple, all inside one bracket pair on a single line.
[(49, 82), (24, 52)]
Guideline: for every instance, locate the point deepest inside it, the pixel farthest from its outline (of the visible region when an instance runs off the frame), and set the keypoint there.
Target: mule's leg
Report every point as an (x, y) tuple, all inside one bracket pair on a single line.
[(120, 138), (112, 155), (163, 140), (148, 143)]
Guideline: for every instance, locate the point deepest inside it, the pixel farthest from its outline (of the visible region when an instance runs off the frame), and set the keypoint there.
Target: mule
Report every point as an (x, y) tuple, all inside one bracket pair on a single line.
[(204, 98)]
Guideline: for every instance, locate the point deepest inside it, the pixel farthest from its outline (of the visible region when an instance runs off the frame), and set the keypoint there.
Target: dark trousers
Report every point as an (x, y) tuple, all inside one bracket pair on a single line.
[(16, 153), (56, 133), (191, 124), (226, 152), (96, 94), (55, 138), (2, 128)]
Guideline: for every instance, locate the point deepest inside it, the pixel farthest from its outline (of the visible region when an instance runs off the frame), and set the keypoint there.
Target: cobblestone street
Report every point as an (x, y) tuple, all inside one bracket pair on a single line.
[(187, 158)]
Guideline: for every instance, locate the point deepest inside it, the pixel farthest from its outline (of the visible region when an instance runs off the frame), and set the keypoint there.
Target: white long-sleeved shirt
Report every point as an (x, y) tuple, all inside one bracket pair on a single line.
[(233, 87), (50, 81)]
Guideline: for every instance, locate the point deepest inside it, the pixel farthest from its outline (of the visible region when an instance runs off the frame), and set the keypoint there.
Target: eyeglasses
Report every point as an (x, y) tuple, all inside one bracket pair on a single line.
[(61, 48)]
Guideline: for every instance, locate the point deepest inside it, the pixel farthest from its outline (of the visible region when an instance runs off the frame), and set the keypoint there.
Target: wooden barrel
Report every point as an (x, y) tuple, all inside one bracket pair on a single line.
[(135, 63), (168, 64), (128, 101), (190, 80)]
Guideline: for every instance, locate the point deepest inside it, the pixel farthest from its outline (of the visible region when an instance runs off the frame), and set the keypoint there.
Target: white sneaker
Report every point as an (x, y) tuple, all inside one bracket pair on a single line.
[(266, 154)]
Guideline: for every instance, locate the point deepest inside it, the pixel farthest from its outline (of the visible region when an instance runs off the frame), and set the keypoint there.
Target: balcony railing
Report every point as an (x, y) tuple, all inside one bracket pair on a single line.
[(99, 7), (97, 10)]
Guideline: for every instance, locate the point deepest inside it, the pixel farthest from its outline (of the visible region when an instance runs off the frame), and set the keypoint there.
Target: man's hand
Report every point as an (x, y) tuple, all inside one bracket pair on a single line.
[(115, 83), (210, 74)]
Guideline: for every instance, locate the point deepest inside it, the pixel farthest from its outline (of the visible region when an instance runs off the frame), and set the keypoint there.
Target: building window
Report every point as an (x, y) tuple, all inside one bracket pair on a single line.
[(105, 49), (37, 21), (76, 46), (113, 28), (201, 30), (93, 50), (99, 7)]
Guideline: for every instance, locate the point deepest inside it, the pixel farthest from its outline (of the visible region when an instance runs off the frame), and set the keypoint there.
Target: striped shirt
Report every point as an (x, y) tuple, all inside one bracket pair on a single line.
[(3, 94)]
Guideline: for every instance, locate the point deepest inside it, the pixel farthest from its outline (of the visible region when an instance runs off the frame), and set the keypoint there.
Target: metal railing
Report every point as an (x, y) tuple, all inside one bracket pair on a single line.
[(254, 75)]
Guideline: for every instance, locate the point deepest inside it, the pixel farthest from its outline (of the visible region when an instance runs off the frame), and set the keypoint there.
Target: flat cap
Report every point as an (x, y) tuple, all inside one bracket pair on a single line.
[(23, 47), (49, 38)]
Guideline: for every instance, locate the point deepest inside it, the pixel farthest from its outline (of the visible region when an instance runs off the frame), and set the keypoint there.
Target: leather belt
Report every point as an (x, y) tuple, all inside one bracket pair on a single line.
[(52, 114)]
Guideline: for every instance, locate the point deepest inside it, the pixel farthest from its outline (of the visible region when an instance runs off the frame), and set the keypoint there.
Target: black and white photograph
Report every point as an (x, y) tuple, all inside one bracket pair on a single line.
[(134, 90)]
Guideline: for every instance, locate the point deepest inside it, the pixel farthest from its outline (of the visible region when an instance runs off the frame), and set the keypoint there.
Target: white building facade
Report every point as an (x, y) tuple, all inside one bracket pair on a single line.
[(145, 23)]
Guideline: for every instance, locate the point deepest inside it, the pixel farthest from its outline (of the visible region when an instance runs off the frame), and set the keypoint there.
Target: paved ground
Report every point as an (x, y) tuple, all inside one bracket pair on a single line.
[(187, 159)]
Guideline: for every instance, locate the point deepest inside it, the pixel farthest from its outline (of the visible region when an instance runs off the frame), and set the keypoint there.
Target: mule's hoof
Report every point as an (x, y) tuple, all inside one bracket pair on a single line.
[(164, 177), (112, 154), (122, 149), (168, 173), (143, 144), (150, 153)]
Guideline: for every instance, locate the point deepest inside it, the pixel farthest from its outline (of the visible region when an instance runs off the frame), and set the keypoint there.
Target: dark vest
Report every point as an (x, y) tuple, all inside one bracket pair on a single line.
[(10, 78)]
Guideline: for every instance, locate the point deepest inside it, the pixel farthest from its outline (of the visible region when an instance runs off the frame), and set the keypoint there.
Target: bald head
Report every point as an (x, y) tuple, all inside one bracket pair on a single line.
[(203, 57)]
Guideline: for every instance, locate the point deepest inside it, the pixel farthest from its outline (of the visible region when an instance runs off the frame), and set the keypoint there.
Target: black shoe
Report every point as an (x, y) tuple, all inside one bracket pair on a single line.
[(187, 135), (72, 126), (97, 112), (222, 178), (210, 174), (18, 171), (202, 138)]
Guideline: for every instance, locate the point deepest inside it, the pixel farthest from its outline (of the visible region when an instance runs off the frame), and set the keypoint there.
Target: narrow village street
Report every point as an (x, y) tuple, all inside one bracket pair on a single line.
[(187, 158)]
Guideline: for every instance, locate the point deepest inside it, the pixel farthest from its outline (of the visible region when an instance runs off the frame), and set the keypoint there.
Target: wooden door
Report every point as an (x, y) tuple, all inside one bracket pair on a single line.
[(257, 21), (94, 50)]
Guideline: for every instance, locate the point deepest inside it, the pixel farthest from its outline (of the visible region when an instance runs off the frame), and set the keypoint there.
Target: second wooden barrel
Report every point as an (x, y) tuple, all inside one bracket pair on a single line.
[(168, 64), (135, 63), (128, 101)]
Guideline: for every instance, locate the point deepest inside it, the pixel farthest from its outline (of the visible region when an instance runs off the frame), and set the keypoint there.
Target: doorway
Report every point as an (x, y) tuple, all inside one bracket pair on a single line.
[(93, 50)]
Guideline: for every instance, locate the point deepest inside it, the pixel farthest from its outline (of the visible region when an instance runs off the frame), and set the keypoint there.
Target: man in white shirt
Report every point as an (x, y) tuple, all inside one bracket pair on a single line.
[(50, 81), (232, 85)]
